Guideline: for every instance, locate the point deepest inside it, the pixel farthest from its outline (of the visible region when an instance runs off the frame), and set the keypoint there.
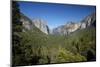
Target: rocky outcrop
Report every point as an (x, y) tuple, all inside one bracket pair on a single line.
[(42, 25), (67, 28), (89, 21), (72, 26), (26, 22)]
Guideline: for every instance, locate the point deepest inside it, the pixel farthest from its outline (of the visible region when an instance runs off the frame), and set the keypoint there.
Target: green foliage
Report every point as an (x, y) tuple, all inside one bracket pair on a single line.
[(67, 56), (38, 48)]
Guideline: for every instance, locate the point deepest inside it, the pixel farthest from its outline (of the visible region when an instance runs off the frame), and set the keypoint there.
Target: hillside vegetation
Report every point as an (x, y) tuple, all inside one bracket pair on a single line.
[(38, 48)]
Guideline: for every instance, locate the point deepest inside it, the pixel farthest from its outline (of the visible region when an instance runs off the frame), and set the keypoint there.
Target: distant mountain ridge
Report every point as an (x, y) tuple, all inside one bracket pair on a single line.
[(72, 26), (66, 29)]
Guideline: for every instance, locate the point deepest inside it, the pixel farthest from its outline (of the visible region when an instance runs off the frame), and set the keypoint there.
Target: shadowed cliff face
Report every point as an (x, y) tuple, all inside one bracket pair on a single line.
[(70, 27)]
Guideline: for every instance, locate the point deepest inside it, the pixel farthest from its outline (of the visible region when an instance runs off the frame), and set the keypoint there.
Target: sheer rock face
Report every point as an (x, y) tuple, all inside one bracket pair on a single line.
[(66, 29), (29, 25), (72, 26), (42, 25)]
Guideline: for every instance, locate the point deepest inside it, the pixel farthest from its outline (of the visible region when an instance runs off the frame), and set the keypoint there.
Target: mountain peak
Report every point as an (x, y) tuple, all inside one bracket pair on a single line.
[(72, 26)]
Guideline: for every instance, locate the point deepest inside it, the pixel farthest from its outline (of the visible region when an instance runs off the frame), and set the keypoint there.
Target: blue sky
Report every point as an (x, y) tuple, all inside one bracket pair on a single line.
[(55, 14)]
